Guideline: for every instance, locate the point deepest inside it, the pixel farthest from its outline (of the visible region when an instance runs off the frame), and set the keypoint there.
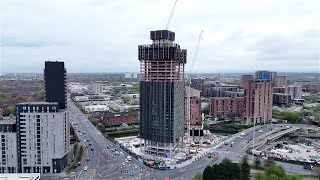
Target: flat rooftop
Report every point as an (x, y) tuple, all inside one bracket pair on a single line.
[(29, 176), (37, 103), (7, 122)]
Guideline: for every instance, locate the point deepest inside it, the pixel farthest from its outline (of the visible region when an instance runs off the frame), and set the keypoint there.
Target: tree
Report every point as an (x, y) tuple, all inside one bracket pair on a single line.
[(9, 110), (94, 121), (257, 162), (244, 159), (125, 99), (205, 110), (198, 176), (276, 171), (268, 162), (292, 117), (100, 127), (134, 102), (245, 171), (207, 173)]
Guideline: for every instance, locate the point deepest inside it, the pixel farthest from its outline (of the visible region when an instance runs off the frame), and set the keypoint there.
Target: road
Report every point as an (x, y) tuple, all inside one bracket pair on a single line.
[(116, 164), (105, 164)]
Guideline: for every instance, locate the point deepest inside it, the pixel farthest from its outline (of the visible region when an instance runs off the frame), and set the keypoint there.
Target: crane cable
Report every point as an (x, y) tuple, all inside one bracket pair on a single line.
[(174, 5), (189, 84)]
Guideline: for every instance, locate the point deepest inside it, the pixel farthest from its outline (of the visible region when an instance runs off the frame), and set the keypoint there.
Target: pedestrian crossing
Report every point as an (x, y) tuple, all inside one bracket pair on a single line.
[(86, 175)]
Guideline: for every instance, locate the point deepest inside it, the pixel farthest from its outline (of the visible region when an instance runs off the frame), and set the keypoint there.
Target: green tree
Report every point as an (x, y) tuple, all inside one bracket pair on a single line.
[(94, 121), (245, 171), (257, 162), (244, 159), (268, 162), (292, 117), (134, 102), (275, 172), (9, 110), (207, 173), (205, 110), (2, 96), (198, 176), (100, 127), (125, 99), (75, 148)]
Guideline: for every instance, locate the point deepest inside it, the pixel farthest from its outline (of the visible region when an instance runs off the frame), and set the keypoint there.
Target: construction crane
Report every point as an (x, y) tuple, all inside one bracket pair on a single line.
[(174, 5), (189, 84)]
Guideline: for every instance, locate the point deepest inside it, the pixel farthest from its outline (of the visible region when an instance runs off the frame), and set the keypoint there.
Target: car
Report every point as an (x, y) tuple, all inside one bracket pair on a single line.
[(260, 131), (84, 140), (88, 159), (92, 149), (88, 140), (90, 144), (126, 160), (85, 120), (85, 168), (123, 164), (87, 126), (131, 174), (308, 166), (242, 134)]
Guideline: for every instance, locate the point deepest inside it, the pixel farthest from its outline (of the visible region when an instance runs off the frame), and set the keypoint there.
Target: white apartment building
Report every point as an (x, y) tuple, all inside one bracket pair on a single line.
[(100, 87), (43, 137), (280, 81), (8, 146), (295, 91)]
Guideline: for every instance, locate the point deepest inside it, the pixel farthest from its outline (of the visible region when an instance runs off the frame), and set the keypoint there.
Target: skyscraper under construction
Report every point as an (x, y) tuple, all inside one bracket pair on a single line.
[(162, 91)]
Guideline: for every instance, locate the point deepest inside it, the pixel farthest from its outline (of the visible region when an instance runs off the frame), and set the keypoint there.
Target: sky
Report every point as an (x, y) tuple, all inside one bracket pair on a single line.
[(103, 35)]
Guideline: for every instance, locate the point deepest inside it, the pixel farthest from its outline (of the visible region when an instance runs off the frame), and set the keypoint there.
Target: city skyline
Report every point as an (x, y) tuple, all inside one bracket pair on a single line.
[(245, 37)]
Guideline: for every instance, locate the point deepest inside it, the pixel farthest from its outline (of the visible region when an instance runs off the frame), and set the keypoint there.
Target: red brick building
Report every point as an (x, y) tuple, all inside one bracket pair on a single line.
[(117, 119), (278, 90), (226, 106), (195, 111), (258, 102), (246, 78)]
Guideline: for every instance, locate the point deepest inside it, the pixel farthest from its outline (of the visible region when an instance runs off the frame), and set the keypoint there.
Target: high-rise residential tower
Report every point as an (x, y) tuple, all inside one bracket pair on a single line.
[(55, 83), (43, 137), (258, 102), (162, 92)]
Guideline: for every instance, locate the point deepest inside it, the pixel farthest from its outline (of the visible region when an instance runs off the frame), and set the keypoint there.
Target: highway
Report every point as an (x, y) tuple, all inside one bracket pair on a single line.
[(118, 167)]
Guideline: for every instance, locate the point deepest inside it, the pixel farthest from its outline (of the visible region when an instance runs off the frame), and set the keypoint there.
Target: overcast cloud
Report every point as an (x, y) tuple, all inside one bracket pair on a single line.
[(103, 35)]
